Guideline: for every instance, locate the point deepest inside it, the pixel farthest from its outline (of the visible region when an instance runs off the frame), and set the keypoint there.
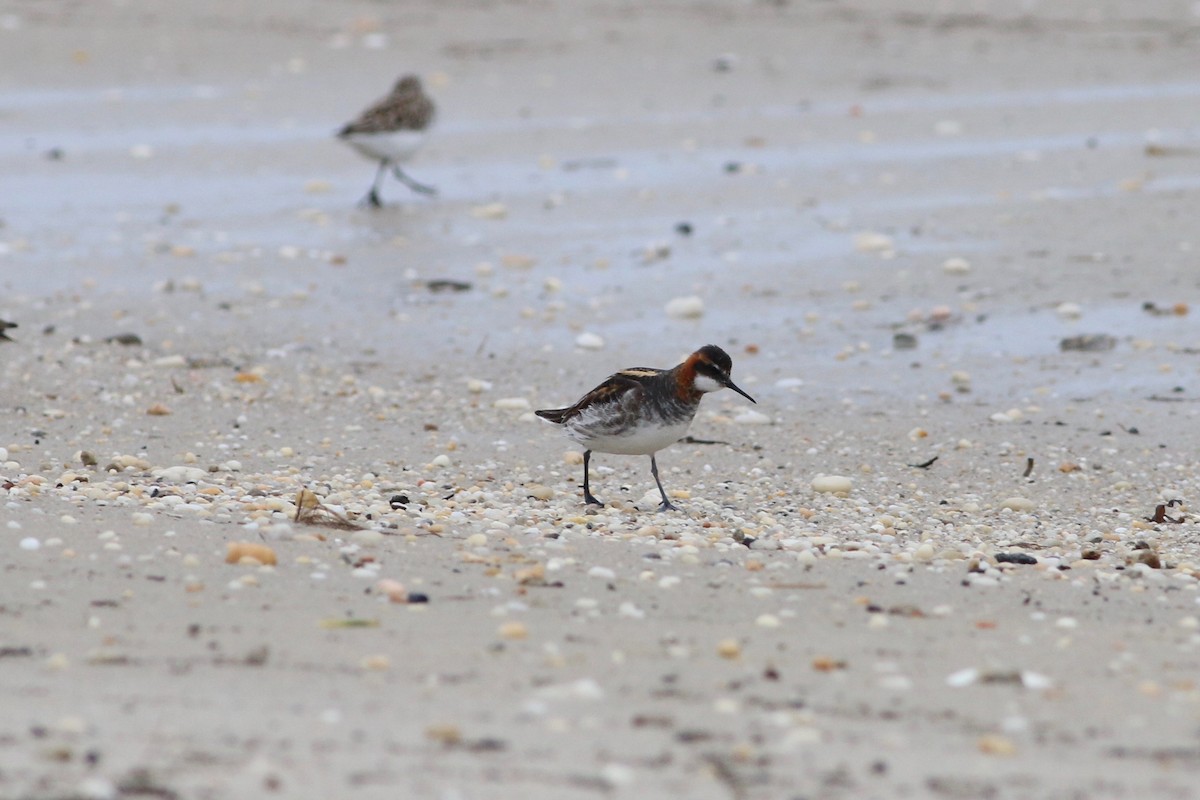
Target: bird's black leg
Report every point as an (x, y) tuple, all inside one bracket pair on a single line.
[(666, 504), (402, 176), (372, 199), (588, 499)]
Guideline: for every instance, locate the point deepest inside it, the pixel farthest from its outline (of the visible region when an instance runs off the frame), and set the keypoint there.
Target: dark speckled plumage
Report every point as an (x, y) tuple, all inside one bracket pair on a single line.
[(641, 410), (390, 131)]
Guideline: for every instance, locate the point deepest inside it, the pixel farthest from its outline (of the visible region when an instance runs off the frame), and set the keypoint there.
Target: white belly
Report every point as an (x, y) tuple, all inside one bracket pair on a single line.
[(395, 146), (641, 441)]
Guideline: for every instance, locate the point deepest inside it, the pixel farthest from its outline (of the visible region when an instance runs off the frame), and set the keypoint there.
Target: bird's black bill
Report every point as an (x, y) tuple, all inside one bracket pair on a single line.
[(731, 385)]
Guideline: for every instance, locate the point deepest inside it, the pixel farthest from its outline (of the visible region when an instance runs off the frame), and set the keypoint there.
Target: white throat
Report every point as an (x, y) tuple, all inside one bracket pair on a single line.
[(703, 383)]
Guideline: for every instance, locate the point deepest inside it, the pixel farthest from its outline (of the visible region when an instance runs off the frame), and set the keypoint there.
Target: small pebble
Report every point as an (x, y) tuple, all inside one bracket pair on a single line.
[(956, 266), (690, 307), (589, 341), (872, 242), (513, 630), (729, 648), (832, 484)]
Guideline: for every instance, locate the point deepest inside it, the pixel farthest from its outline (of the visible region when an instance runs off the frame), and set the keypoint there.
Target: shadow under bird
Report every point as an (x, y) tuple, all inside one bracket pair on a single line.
[(640, 411), (390, 132)]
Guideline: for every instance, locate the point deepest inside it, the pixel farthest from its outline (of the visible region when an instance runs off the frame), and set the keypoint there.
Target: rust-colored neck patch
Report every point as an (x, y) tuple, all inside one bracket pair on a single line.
[(685, 380)]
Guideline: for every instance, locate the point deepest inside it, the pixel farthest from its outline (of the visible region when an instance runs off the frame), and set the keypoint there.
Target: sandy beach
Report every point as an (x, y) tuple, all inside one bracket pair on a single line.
[(279, 519)]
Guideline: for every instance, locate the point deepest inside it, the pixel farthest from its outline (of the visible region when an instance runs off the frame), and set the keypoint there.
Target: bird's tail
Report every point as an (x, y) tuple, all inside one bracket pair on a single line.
[(555, 415)]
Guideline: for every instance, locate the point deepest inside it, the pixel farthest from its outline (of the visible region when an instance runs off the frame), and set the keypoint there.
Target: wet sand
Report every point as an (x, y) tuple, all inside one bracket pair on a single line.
[(892, 217)]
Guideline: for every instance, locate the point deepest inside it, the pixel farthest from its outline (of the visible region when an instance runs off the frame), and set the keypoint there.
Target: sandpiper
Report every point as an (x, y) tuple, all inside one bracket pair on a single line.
[(391, 131), (640, 411)]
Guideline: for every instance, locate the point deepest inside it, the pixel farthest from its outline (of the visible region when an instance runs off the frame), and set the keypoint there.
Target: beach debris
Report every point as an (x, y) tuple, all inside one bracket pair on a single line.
[(439, 285), (589, 341), (1155, 150), (337, 623), (1029, 468), (1015, 558), (956, 266), (729, 648), (124, 339), (993, 744), (925, 464), (1088, 343), (874, 242), (904, 341), (1160, 513), (1149, 558), (490, 211), (1019, 504), (513, 630), (1027, 679), (5, 327), (249, 554), (690, 307), (310, 511), (832, 484), (1069, 310), (1176, 309), (828, 664), (393, 590)]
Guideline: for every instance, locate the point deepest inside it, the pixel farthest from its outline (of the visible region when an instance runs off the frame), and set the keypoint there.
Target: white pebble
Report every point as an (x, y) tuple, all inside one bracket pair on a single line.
[(602, 572), (180, 474), (956, 266), (628, 609), (748, 416), (512, 404), (589, 341), (1018, 504), (832, 484), (1069, 311), (367, 537), (964, 677), (767, 621), (690, 307), (872, 242), (1035, 680), (442, 460), (96, 789), (30, 543)]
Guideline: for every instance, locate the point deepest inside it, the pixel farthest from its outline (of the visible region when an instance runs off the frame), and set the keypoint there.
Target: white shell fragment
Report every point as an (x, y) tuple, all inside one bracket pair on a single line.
[(956, 266), (832, 484), (589, 341), (690, 307)]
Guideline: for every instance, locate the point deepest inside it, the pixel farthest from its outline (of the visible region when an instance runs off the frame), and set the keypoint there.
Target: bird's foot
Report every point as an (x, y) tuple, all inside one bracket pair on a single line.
[(371, 200), (666, 506), (590, 500)]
